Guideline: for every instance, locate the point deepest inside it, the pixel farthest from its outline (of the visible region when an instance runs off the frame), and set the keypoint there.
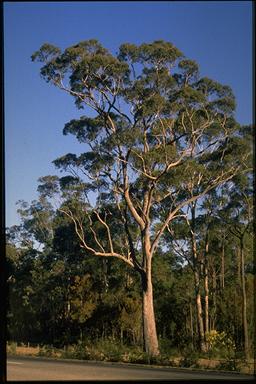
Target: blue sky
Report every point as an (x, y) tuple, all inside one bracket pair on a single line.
[(217, 34)]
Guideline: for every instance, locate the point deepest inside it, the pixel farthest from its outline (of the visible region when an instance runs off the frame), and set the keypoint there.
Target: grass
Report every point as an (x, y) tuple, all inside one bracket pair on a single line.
[(110, 351)]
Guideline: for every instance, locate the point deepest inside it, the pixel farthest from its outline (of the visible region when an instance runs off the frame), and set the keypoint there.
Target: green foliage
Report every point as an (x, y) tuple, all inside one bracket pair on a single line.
[(229, 365), (83, 300), (11, 348), (220, 343), (159, 52), (46, 52), (189, 361), (46, 351), (85, 129)]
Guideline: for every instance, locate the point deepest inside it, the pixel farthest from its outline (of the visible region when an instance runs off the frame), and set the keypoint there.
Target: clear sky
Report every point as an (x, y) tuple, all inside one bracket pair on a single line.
[(217, 34)]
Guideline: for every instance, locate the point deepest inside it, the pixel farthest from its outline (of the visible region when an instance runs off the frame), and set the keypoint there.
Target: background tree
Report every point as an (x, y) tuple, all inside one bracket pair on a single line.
[(237, 213)]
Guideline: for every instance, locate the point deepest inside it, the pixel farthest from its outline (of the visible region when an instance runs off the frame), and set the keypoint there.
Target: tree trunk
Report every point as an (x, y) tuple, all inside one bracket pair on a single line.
[(197, 266), (214, 299), (244, 305), (206, 309), (191, 323), (238, 256), (150, 339), (199, 309), (199, 312), (105, 274), (223, 265), (206, 287), (200, 317)]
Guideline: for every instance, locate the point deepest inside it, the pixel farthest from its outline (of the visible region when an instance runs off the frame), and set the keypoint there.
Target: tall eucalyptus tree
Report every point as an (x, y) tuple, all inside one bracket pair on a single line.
[(155, 132)]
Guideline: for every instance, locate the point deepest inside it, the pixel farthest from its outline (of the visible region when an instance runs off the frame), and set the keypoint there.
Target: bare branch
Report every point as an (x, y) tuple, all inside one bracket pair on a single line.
[(108, 230), (94, 234), (128, 200), (80, 234), (220, 179)]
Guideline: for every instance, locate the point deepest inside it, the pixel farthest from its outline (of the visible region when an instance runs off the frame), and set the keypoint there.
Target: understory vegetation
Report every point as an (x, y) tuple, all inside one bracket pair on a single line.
[(113, 351)]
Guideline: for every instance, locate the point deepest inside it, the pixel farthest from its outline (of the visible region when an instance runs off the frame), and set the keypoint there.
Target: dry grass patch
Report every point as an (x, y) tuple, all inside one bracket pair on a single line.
[(28, 351)]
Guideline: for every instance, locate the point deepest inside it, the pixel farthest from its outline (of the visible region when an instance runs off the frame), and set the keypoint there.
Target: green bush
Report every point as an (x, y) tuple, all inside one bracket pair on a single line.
[(11, 348), (83, 351), (111, 350), (138, 358), (165, 346), (46, 351), (189, 362), (220, 345), (68, 352), (228, 365)]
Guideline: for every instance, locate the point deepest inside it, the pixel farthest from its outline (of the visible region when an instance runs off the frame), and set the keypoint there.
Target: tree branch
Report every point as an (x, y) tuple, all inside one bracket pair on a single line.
[(80, 234), (172, 214)]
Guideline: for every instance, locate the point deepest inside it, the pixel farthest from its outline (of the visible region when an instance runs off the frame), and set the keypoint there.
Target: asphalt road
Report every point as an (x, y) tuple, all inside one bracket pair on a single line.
[(26, 369)]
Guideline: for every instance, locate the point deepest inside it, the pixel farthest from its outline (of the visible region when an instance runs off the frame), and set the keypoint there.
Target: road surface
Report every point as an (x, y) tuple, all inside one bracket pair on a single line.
[(29, 368)]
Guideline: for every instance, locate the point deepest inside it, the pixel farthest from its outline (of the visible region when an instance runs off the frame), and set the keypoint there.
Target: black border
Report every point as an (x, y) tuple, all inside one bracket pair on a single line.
[(3, 285), (3, 270)]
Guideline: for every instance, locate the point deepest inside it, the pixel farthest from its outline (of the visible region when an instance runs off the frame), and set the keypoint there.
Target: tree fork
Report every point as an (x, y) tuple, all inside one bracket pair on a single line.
[(244, 302)]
